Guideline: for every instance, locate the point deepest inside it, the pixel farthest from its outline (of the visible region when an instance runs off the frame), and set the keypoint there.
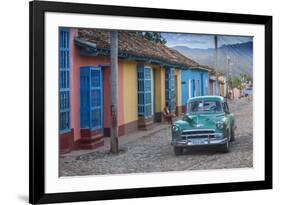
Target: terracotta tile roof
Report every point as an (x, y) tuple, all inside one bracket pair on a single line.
[(214, 73), (182, 58), (131, 43)]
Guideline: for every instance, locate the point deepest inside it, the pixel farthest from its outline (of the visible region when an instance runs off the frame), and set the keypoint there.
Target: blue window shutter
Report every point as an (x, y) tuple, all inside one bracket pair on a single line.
[(170, 88), (64, 80), (193, 88), (144, 91), (140, 75), (148, 97), (91, 98)]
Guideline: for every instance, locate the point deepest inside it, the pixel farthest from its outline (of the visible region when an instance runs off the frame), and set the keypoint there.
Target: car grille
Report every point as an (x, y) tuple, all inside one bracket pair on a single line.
[(195, 134)]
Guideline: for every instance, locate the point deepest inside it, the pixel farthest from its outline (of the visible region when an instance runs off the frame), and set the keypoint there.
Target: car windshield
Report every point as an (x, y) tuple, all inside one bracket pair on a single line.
[(205, 106)]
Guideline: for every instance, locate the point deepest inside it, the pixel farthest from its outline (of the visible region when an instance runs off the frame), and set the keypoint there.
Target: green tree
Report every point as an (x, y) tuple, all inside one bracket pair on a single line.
[(246, 80), (235, 82)]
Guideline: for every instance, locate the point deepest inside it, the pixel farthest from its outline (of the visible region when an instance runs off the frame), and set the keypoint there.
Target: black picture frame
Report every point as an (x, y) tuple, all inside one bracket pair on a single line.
[(37, 10)]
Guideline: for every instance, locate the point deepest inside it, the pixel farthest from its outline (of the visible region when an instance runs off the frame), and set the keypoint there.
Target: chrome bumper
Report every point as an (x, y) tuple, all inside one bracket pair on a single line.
[(198, 142), (199, 138)]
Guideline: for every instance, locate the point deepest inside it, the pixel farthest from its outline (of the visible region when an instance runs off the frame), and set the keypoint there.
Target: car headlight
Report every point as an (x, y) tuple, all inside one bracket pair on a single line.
[(175, 128), (219, 125)]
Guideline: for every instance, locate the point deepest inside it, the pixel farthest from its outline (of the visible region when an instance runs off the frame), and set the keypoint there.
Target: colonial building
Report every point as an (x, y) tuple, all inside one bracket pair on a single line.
[(217, 82), (149, 75), (195, 82)]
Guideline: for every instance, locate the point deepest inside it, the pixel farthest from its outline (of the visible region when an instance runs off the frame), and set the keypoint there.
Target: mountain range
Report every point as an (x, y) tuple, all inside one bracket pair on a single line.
[(240, 57)]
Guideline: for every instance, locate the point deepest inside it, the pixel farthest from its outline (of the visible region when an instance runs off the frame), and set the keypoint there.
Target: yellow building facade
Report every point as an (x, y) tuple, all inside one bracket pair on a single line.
[(130, 94)]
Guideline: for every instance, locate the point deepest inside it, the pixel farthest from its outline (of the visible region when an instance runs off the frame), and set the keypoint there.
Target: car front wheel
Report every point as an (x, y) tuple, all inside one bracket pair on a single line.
[(225, 147)]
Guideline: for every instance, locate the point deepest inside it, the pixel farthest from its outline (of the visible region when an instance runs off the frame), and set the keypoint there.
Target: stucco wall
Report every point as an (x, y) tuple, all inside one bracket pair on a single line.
[(159, 88), (130, 97), (178, 87), (75, 86), (127, 91), (194, 74), (78, 61), (236, 93), (211, 87)]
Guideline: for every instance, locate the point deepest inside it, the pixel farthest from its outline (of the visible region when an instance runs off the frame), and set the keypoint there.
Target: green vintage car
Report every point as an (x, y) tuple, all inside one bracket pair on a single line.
[(207, 122)]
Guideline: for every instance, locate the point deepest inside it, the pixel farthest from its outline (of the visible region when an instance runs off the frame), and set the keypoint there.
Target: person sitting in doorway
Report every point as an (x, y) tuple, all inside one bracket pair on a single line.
[(168, 115)]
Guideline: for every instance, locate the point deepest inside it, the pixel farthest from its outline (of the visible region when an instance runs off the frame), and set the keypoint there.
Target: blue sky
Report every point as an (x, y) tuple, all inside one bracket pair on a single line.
[(201, 41)]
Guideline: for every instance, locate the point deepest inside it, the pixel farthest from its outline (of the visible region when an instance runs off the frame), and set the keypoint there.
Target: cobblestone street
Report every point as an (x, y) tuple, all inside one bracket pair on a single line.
[(153, 152)]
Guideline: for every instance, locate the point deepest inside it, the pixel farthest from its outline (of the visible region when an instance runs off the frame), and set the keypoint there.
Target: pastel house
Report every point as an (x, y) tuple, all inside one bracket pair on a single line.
[(217, 82), (213, 81), (201, 80), (149, 75), (213, 85), (195, 82)]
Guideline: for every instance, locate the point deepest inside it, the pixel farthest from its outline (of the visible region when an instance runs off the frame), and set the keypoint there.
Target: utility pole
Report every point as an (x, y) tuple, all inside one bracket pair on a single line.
[(114, 92), (216, 52), (228, 75), (216, 59)]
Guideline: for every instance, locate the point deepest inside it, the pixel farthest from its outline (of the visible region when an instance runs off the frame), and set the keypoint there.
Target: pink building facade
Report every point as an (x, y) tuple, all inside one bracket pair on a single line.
[(77, 137)]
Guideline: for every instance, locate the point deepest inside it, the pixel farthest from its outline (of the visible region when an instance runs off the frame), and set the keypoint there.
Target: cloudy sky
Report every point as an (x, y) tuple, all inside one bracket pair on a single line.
[(201, 41)]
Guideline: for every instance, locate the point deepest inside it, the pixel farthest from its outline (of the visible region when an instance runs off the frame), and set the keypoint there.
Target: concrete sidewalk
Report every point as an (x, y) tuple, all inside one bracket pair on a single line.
[(156, 127)]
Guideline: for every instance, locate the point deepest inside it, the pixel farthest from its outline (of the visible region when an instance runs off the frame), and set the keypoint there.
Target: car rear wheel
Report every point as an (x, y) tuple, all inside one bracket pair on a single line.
[(232, 138), (178, 150)]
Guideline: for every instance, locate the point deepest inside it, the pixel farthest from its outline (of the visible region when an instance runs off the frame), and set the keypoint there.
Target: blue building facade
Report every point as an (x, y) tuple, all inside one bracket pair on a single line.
[(194, 82)]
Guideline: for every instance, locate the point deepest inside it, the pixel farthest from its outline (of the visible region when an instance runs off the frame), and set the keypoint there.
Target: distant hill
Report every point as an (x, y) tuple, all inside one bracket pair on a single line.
[(241, 57)]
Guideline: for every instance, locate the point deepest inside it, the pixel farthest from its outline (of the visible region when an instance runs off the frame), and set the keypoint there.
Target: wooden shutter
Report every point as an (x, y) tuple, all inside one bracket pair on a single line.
[(64, 80)]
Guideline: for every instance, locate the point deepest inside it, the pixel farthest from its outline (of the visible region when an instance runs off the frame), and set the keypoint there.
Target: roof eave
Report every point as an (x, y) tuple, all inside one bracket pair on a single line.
[(199, 67), (88, 48)]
